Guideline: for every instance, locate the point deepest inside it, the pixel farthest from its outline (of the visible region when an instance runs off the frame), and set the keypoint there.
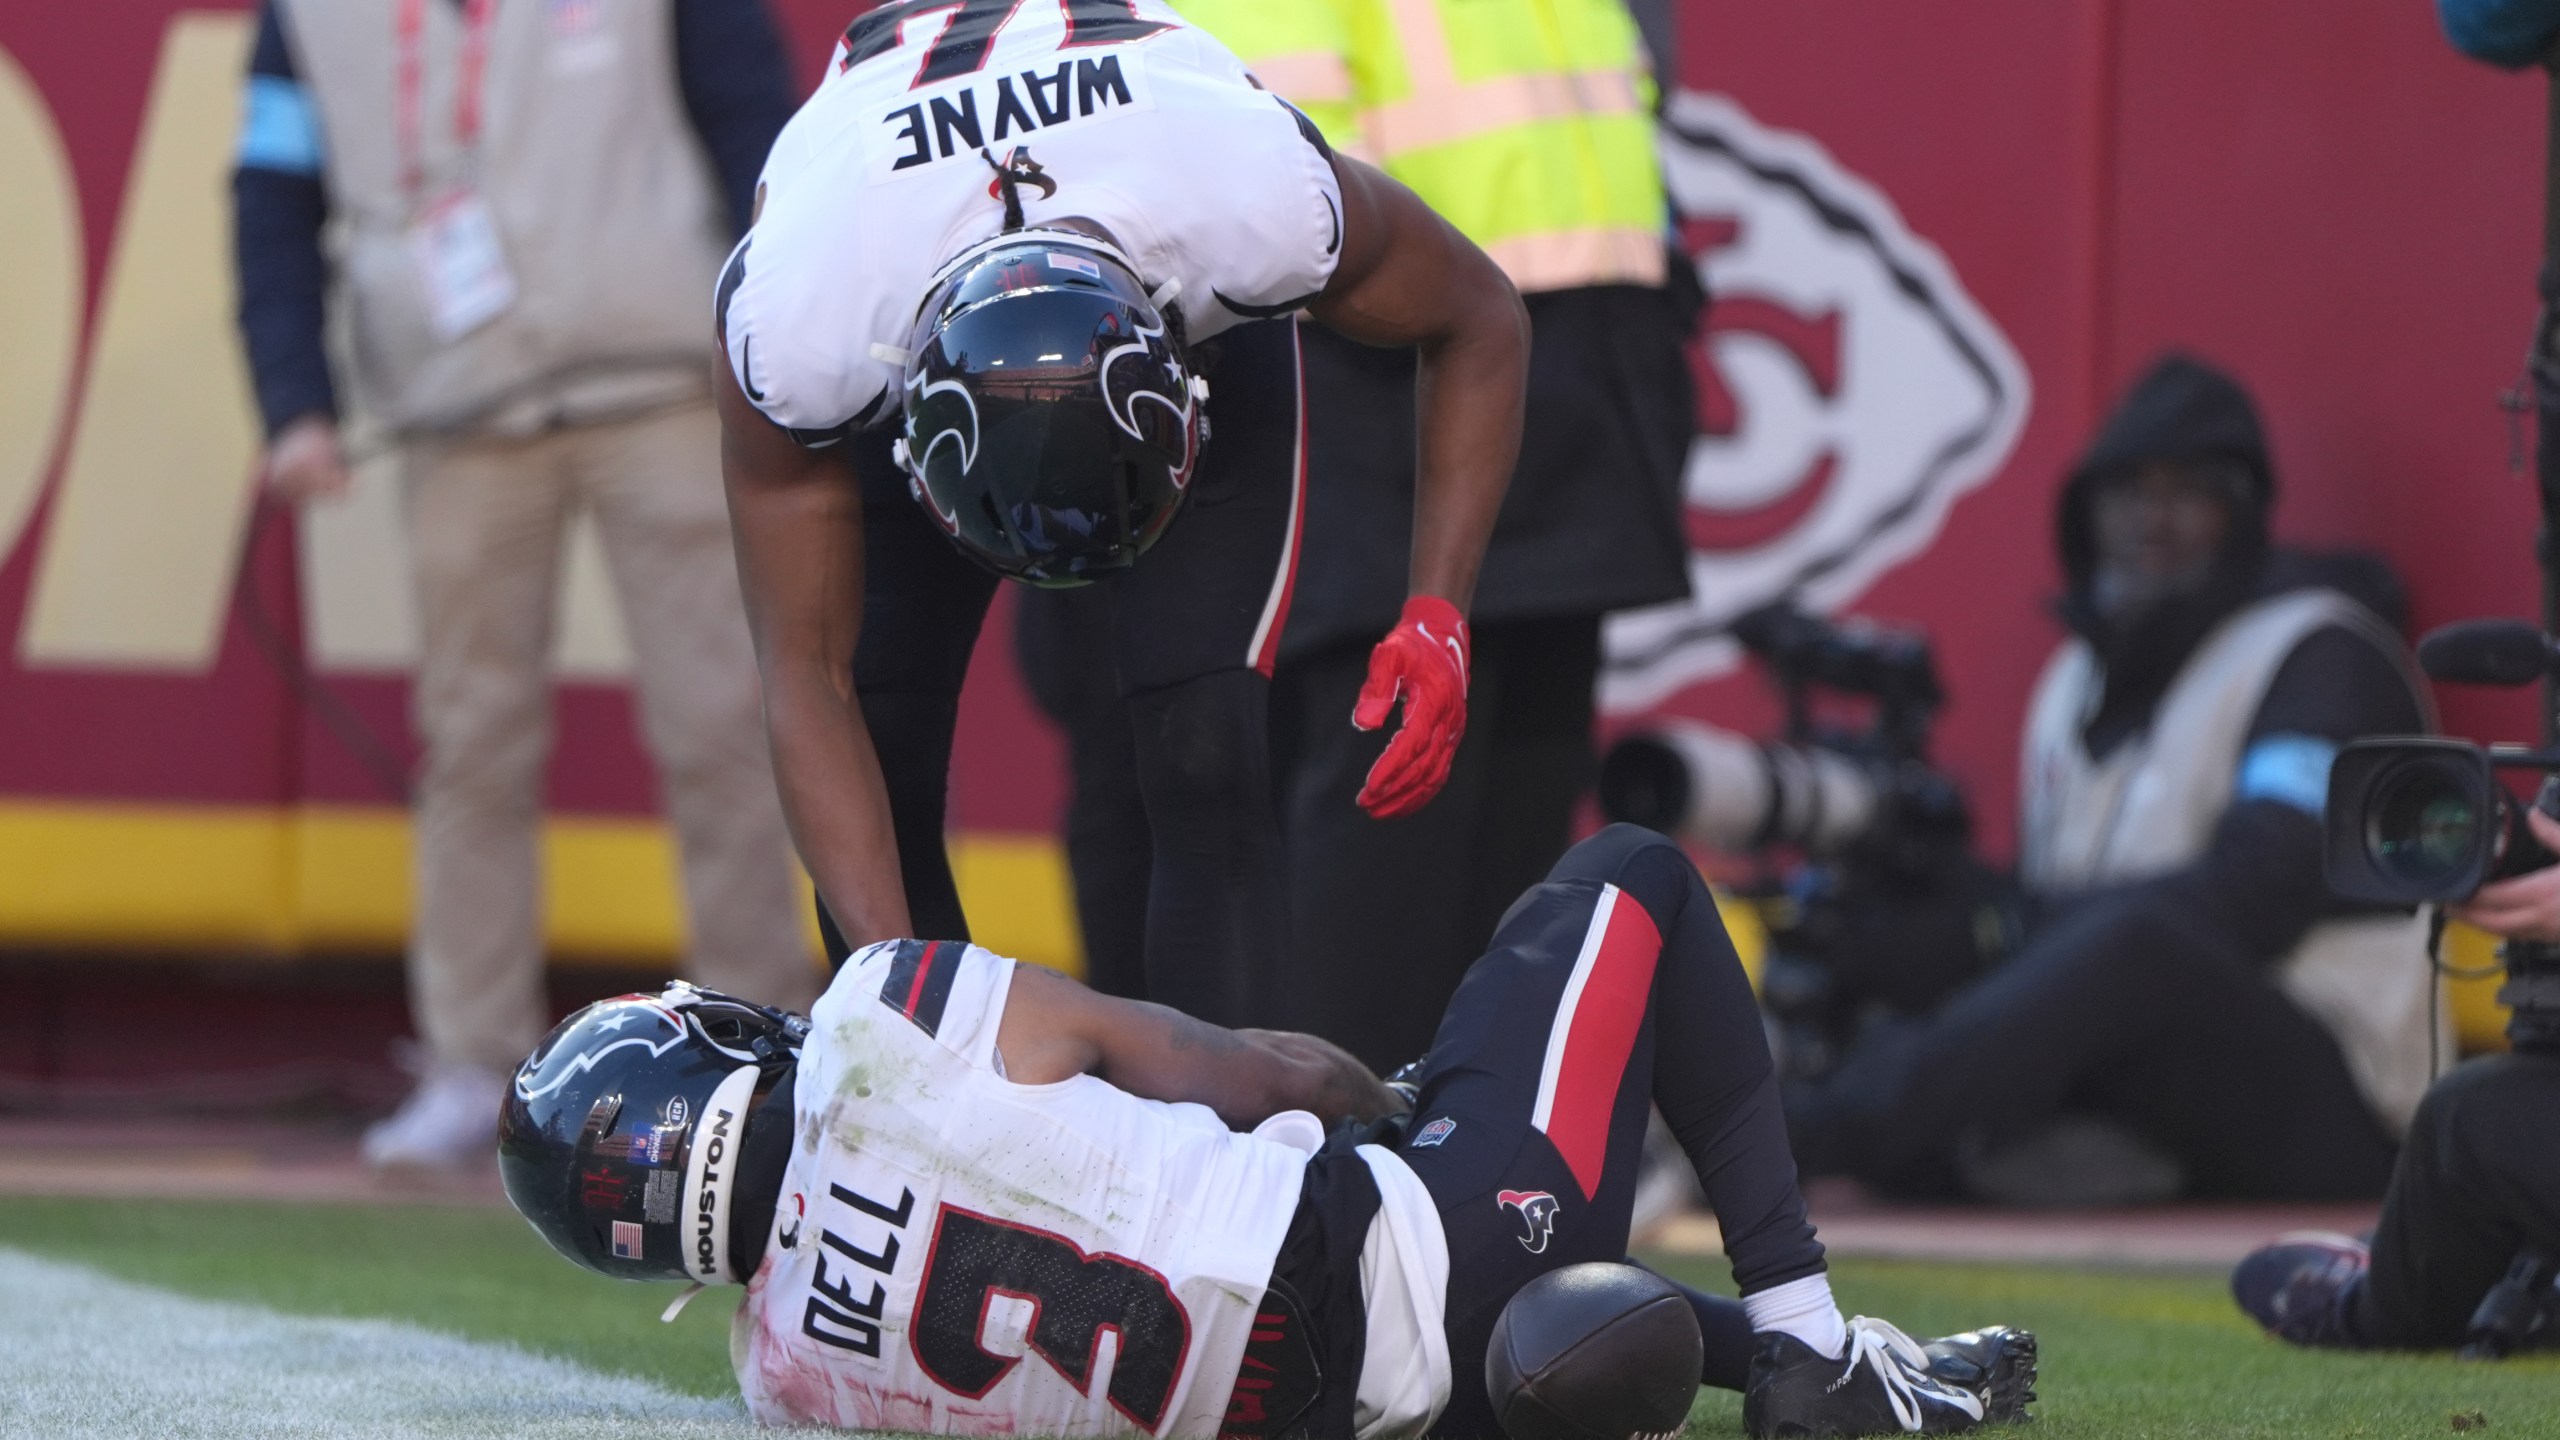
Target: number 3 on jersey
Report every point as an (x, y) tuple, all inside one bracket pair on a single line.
[(968, 34), (1074, 1297)]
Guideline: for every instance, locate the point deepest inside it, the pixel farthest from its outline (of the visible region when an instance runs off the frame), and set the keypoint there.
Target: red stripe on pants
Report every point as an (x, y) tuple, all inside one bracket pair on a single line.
[(1598, 1039), (1266, 655)]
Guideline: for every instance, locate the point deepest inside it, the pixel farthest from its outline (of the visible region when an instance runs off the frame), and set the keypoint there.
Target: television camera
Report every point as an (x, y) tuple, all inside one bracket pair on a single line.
[(2425, 820)]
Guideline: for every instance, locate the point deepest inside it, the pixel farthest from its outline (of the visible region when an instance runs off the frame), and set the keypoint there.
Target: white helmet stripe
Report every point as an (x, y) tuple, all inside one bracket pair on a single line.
[(711, 1175)]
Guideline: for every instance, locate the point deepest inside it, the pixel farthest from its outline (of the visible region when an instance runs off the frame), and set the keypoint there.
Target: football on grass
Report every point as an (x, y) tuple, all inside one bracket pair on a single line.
[(1594, 1352)]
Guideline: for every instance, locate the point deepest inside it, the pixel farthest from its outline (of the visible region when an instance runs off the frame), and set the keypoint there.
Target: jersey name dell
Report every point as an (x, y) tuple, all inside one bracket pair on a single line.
[(834, 1316), (967, 119)]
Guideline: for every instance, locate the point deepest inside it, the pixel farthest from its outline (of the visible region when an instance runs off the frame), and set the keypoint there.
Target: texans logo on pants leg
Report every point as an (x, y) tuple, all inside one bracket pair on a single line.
[(1537, 1212)]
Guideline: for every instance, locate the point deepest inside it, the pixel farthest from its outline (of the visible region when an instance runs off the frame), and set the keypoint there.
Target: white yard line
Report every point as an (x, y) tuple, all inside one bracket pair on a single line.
[(92, 1356)]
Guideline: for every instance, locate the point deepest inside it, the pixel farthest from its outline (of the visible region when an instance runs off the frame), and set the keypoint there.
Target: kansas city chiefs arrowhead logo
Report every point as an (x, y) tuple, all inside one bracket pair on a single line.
[(1849, 392), (1537, 1213)]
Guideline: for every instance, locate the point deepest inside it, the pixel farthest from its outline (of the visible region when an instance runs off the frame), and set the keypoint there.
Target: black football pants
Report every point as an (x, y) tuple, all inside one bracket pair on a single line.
[(1610, 989), (2122, 1007), (2478, 1180), (1386, 915), (1193, 626), (1062, 642)]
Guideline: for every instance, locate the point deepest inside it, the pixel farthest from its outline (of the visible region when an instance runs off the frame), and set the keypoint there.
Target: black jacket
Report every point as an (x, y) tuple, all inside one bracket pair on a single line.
[(2260, 881)]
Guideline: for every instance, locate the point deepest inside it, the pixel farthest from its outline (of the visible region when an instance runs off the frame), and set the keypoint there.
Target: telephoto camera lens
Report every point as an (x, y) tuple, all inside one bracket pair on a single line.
[(1731, 793)]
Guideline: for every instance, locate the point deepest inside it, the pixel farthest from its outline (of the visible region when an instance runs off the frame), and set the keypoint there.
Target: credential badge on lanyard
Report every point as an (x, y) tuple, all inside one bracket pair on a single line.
[(453, 239)]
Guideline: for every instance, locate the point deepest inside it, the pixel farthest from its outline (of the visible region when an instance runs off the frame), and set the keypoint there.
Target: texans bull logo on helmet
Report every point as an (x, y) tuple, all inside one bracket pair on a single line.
[(939, 411), (1157, 377), (633, 1022)]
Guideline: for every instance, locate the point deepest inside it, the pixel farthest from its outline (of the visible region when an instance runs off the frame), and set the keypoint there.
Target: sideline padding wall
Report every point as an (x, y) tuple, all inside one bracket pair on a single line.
[(1969, 224)]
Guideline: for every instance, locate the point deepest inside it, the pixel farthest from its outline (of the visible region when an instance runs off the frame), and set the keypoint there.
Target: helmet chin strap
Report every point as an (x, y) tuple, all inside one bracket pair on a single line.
[(676, 1306)]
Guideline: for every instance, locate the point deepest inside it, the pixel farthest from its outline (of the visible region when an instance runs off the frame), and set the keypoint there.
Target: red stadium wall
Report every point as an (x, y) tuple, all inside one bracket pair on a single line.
[(2346, 217)]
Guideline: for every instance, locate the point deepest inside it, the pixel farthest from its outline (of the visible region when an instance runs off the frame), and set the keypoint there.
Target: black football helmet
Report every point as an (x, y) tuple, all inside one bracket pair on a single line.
[(620, 1137), (1052, 419)]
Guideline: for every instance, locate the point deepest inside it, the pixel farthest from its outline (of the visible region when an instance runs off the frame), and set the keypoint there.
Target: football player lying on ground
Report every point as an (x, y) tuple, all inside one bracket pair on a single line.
[(946, 1185)]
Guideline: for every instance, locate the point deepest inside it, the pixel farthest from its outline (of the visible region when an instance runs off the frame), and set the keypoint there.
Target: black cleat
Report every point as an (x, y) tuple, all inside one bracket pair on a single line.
[(2298, 1286), (1884, 1385), (1997, 1363)]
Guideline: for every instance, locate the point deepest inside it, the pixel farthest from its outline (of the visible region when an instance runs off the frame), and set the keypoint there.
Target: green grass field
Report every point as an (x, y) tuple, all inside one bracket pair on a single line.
[(2125, 1353)]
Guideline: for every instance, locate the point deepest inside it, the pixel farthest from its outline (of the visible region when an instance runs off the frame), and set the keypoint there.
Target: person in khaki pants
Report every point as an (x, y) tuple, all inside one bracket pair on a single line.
[(525, 207)]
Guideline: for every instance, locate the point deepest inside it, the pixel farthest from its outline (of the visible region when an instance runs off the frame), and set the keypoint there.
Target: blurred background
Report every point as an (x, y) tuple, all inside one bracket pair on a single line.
[(1940, 241)]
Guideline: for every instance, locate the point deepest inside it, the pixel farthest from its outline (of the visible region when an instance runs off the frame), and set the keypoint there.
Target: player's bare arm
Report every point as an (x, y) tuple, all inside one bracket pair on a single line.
[(1054, 1029), (1408, 277), (797, 520)]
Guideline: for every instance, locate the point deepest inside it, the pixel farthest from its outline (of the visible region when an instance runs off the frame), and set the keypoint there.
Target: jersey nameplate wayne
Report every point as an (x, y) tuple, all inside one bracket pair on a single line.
[(998, 110)]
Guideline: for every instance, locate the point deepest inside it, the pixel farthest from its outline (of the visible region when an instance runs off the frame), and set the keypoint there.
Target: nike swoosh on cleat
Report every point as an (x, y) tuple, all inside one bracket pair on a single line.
[(1906, 1385)]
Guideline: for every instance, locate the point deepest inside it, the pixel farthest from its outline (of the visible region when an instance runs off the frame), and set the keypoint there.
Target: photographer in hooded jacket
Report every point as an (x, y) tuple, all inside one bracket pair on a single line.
[(2192, 1010)]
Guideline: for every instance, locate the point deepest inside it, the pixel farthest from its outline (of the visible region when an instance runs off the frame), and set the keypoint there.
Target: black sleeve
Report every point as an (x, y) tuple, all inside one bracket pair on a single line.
[(2338, 686), (2260, 880), (737, 91), (277, 218)]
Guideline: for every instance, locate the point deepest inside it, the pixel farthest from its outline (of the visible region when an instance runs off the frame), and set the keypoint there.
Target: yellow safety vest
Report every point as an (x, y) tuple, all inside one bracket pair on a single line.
[(1528, 123), (1299, 48)]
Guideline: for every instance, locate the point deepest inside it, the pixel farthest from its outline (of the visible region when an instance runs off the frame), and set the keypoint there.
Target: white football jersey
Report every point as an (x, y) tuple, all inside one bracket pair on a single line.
[(957, 1254), (1214, 188)]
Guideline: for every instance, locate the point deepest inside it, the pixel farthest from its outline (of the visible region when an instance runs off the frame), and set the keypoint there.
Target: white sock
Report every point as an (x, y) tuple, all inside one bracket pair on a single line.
[(1802, 1308)]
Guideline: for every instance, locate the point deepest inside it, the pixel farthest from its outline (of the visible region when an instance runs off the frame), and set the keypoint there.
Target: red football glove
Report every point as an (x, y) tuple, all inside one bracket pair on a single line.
[(1424, 661)]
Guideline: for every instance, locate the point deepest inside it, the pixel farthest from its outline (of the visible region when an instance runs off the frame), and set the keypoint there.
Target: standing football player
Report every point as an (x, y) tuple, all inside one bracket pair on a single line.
[(950, 1183), (1003, 258)]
